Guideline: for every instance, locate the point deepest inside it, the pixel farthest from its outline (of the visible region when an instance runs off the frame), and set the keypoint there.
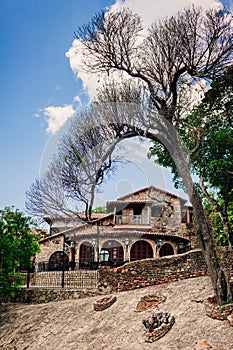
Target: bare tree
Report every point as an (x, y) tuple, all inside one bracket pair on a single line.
[(86, 151), (83, 162), (50, 196), (191, 45), (45, 196)]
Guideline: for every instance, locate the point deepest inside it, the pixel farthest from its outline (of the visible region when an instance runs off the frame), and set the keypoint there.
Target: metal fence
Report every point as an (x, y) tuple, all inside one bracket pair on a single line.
[(78, 280)]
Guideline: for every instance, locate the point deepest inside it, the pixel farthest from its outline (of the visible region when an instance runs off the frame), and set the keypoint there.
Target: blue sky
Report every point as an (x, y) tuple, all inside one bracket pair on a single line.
[(36, 75)]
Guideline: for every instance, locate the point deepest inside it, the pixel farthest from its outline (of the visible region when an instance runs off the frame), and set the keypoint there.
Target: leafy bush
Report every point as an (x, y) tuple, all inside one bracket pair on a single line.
[(17, 245)]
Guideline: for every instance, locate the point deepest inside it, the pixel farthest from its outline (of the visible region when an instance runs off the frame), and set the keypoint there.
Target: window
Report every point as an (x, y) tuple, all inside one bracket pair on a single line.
[(166, 249), (86, 255), (156, 212), (119, 217), (141, 250), (137, 210), (115, 249), (187, 216), (58, 261)]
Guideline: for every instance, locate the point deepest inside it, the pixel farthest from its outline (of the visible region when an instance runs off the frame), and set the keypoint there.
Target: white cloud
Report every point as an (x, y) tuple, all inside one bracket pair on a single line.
[(150, 11), (90, 81), (77, 100), (57, 116)]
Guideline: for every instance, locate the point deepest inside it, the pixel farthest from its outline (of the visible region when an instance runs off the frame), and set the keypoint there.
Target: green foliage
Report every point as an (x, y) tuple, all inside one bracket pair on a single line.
[(213, 120), (219, 233), (17, 246), (99, 210)]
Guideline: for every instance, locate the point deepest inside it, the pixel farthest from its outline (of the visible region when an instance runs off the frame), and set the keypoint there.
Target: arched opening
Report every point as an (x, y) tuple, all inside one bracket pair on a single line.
[(166, 249), (115, 253), (86, 255), (59, 261), (141, 250)]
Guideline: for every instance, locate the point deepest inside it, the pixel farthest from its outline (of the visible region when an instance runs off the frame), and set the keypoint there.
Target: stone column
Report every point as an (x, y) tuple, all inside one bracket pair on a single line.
[(127, 253)]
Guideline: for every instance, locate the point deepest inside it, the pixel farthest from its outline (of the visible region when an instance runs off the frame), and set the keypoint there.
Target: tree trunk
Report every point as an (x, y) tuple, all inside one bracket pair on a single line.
[(216, 270), (204, 231)]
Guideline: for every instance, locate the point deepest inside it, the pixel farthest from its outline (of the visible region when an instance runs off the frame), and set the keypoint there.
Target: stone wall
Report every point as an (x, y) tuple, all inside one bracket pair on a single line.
[(219, 312), (45, 295), (149, 272), (227, 256)]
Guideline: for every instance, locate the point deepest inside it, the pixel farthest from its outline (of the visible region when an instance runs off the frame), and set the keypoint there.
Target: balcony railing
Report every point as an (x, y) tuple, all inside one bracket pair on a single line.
[(131, 220)]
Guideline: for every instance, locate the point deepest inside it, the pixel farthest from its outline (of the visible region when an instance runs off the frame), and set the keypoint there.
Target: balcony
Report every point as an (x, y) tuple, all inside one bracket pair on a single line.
[(131, 220)]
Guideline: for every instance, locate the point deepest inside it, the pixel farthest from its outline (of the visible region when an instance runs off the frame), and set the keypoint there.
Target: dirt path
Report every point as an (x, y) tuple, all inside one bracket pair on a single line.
[(74, 325)]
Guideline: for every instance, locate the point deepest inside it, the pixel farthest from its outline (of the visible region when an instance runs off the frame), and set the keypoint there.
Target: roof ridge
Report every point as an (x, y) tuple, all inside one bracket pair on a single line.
[(147, 188)]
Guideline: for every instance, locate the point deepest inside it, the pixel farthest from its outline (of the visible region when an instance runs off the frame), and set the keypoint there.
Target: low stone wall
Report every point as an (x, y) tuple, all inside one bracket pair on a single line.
[(219, 312), (149, 272), (40, 295), (227, 257), (159, 332), (104, 303)]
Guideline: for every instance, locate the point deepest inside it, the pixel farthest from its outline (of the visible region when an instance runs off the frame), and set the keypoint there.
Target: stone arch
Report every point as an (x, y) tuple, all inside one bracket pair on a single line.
[(115, 251), (141, 249), (86, 255), (58, 261), (166, 249)]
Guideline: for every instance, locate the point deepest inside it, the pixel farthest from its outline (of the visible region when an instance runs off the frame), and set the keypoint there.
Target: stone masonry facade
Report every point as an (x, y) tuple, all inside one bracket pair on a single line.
[(147, 223)]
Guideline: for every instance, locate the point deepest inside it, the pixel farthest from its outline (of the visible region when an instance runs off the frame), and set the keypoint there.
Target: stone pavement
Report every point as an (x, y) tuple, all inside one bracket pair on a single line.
[(74, 325)]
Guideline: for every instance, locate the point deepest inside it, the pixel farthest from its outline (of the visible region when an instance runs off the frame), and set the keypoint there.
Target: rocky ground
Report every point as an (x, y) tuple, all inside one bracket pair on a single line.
[(74, 325)]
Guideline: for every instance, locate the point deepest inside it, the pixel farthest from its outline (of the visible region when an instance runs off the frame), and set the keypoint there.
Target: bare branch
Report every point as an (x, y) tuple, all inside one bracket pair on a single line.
[(195, 42)]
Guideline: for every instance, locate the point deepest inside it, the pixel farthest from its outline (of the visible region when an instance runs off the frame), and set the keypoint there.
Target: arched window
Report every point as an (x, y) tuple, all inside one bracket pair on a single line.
[(86, 255), (58, 261), (166, 249), (115, 250), (141, 250)]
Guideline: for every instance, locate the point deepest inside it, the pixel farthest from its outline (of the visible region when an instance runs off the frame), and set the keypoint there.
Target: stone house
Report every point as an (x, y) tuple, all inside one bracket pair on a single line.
[(147, 223)]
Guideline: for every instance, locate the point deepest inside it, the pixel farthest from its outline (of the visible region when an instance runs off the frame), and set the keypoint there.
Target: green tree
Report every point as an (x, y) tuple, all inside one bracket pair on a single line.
[(219, 232), (99, 210), (208, 133), (17, 246)]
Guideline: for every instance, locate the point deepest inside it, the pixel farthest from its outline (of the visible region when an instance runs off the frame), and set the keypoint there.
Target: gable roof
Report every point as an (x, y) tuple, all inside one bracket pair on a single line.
[(144, 189)]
